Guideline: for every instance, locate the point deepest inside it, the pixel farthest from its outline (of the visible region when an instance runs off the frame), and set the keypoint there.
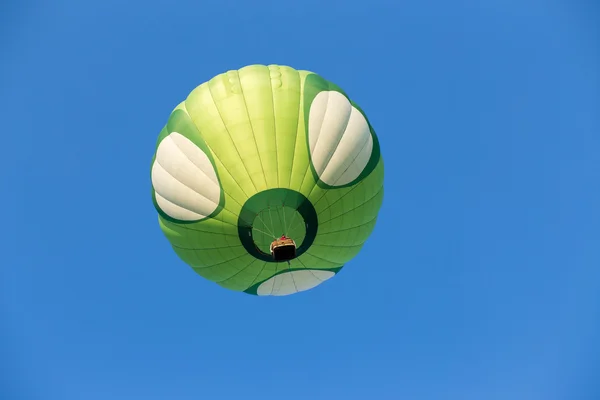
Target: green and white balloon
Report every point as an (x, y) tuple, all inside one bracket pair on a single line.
[(260, 152)]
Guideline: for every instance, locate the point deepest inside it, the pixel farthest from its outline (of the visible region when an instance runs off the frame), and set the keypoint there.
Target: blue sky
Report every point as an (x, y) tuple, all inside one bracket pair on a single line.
[(488, 115)]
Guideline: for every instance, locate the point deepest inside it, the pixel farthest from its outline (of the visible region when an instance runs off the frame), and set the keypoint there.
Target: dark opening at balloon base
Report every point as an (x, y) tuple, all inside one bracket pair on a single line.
[(270, 218)]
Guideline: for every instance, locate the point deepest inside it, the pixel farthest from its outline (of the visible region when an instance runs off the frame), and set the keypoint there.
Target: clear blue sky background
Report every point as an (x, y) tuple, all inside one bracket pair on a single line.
[(488, 113)]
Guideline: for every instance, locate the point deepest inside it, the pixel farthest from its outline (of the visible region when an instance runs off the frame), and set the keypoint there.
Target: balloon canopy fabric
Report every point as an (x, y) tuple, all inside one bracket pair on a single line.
[(262, 152)]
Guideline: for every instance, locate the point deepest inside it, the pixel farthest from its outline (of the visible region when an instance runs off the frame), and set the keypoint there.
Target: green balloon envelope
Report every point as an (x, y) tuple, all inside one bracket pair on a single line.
[(261, 152)]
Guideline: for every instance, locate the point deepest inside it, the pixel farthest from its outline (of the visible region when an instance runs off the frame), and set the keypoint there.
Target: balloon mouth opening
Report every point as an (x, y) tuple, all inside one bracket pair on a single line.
[(277, 215), (278, 227)]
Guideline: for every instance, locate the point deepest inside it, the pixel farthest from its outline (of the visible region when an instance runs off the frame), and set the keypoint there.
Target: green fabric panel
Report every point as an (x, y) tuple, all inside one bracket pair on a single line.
[(301, 161), (195, 237), (248, 272), (205, 114), (313, 261), (227, 94), (286, 94), (256, 89), (225, 268)]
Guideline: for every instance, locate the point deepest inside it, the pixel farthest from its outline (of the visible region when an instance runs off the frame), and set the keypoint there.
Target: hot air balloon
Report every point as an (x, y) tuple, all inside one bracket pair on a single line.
[(267, 180)]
